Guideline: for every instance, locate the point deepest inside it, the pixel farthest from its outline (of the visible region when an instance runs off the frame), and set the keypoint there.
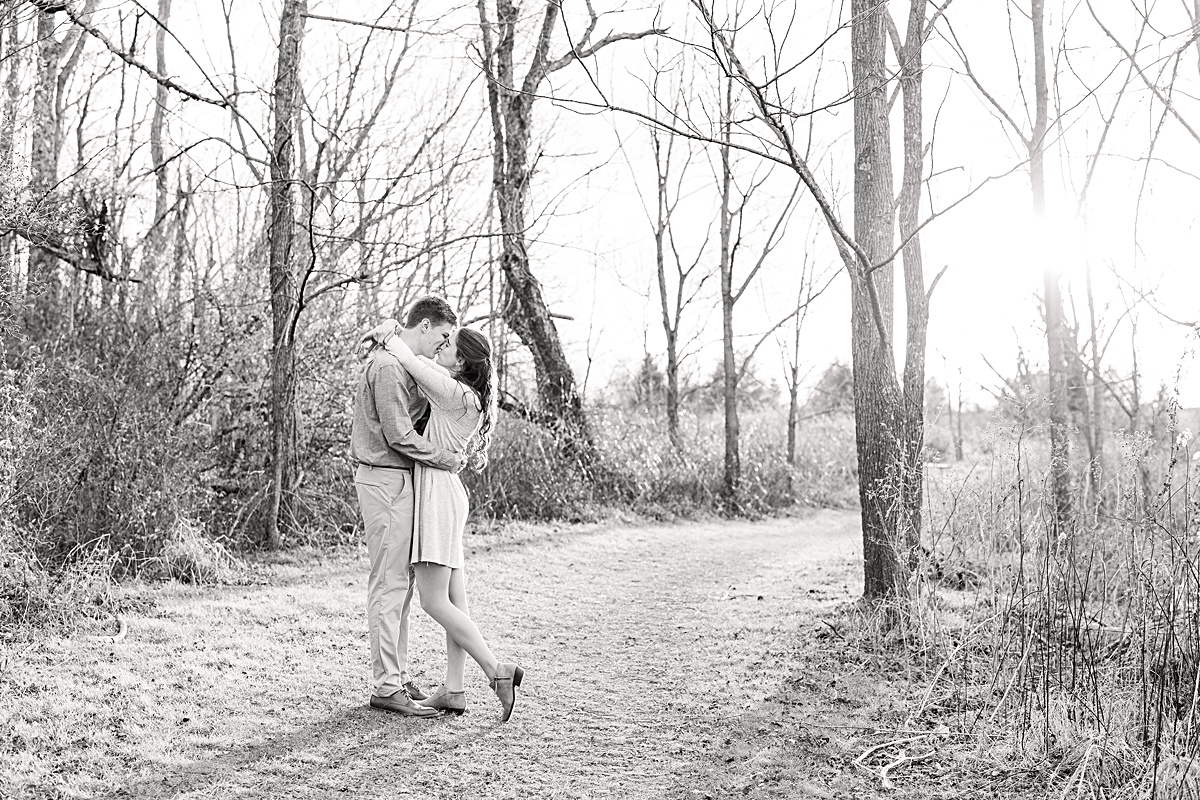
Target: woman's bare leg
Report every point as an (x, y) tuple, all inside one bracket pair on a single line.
[(456, 657), (434, 582)]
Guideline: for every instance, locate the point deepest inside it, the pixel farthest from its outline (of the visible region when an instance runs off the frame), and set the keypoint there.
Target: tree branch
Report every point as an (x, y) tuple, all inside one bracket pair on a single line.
[(361, 24), (133, 62), (1153, 87), (588, 52)]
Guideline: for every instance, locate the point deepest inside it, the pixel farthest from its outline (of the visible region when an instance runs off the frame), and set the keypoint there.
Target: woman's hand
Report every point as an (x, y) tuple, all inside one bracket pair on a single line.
[(380, 333), (396, 346)]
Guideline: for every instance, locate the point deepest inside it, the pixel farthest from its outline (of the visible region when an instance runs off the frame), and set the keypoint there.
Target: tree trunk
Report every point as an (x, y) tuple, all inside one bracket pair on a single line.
[(673, 391), (794, 398), (733, 466), (1060, 467), (14, 57), (912, 411), (183, 206), (670, 330), (43, 286), (793, 422), (878, 427), (526, 312), (156, 245), (283, 276), (958, 427), (1096, 421), (200, 294)]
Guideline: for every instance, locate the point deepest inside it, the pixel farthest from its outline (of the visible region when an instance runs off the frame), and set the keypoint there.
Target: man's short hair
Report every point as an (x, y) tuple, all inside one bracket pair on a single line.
[(433, 308)]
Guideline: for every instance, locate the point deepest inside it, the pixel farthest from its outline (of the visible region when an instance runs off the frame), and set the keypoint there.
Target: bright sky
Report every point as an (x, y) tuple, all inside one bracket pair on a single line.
[(988, 304)]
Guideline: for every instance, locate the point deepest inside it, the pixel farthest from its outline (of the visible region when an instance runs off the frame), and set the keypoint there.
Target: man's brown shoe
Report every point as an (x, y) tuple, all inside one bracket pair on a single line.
[(414, 691), (401, 703)]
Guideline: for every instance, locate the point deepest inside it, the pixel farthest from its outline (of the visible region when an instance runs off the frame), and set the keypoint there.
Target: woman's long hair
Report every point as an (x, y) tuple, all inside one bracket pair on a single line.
[(477, 372)]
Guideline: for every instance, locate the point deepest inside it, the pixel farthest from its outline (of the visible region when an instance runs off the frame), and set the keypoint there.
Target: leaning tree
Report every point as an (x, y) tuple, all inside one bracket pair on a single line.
[(510, 103)]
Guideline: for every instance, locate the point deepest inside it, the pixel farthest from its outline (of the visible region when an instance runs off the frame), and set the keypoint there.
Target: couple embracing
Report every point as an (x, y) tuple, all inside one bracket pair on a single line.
[(414, 506)]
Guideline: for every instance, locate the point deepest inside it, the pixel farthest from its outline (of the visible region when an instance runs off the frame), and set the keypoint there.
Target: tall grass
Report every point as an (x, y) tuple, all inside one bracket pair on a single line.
[(1075, 651)]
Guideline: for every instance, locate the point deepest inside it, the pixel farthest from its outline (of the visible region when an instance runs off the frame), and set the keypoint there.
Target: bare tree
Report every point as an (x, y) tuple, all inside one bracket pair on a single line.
[(811, 287), (732, 224), (156, 244), (281, 235), (882, 417), (510, 102), (680, 270), (43, 279), (680, 284), (1056, 332), (888, 414), (13, 60)]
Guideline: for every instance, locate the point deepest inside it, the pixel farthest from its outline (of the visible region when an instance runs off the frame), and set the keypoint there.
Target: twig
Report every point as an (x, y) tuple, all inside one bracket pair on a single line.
[(361, 24), (870, 751), (831, 627), (903, 759), (133, 62)]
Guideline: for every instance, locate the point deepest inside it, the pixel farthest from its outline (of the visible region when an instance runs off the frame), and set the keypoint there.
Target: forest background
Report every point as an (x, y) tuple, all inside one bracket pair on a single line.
[(660, 216)]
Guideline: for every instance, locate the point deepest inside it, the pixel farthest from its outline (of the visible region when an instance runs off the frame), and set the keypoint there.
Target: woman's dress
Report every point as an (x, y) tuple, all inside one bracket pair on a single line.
[(440, 499)]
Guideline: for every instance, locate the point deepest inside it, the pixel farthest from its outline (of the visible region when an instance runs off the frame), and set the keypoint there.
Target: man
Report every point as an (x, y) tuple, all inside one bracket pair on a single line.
[(385, 444)]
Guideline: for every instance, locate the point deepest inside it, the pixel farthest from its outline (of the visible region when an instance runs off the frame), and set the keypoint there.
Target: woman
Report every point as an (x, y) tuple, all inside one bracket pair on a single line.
[(462, 412)]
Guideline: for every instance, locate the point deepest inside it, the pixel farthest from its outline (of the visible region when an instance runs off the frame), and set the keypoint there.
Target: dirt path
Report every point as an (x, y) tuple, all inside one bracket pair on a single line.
[(662, 662)]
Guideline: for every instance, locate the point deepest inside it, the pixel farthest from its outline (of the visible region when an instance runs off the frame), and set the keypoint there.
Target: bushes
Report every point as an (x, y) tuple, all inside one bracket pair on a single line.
[(33, 595), (103, 466), (528, 478), (153, 460), (189, 556)]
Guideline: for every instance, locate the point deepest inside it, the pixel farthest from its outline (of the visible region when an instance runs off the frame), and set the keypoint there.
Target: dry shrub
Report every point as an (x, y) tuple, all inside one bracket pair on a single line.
[(31, 592), (1175, 779), (528, 477), (189, 556), (105, 465), (1077, 649), (663, 482), (35, 596)]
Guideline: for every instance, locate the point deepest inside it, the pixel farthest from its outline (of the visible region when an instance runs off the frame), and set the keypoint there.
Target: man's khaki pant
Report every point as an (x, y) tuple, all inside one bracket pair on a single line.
[(385, 498)]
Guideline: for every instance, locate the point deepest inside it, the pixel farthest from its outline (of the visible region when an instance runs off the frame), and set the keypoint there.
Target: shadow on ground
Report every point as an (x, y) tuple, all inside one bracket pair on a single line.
[(356, 749)]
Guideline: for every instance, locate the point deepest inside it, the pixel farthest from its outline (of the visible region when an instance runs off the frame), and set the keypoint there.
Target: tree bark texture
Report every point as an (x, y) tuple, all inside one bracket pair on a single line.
[(283, 272), (879, 427), (511, 106), (14, 57), (43, 279), (911, 412)]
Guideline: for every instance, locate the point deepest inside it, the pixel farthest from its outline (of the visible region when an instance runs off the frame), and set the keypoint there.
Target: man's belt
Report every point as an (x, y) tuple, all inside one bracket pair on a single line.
[(381, 466)]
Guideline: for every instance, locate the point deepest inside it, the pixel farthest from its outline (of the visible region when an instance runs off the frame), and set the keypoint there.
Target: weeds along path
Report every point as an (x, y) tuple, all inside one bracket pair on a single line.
[(661, 662)]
